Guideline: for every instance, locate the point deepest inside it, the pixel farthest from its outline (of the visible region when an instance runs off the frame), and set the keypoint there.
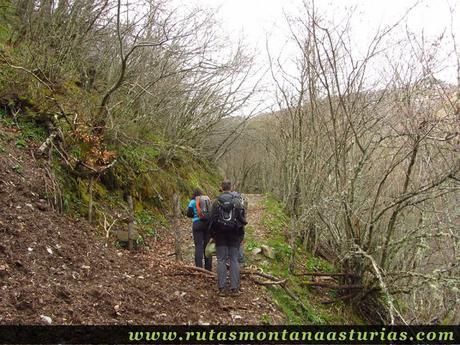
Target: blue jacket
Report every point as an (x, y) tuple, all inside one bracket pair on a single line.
[(192, 210)]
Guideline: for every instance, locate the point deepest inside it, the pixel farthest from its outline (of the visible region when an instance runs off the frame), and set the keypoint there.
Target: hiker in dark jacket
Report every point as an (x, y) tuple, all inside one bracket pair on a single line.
[(201, 232), (227, 232)]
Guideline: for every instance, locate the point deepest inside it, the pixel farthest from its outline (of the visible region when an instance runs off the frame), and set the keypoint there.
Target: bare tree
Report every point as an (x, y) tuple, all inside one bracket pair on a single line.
[(366, 163)]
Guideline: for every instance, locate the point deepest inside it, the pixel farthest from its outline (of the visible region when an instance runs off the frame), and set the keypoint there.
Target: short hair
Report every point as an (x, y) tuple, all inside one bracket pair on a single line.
[(226, 185)]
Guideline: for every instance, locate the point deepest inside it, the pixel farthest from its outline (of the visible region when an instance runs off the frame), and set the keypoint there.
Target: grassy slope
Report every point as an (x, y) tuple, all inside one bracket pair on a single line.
[(275, 221), (149, 170)]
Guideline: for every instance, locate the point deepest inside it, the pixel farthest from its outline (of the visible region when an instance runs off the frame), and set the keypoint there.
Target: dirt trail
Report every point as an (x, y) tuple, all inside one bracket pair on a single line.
[(251, 307), (55, 266), (256, 209)]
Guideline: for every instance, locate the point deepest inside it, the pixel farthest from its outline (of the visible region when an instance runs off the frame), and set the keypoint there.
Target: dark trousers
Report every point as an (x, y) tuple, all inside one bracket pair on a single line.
[(201, 238)]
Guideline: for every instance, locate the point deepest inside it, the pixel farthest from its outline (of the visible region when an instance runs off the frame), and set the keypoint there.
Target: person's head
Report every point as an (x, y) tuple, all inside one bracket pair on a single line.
[(226, 186), (196, 192)]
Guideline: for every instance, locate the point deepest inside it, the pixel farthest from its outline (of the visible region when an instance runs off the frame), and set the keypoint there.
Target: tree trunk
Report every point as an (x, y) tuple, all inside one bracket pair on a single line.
[(177, 234)]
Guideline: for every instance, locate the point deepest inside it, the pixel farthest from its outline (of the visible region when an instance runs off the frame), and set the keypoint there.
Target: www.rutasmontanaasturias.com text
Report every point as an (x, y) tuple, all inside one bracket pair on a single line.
[(357, 336)]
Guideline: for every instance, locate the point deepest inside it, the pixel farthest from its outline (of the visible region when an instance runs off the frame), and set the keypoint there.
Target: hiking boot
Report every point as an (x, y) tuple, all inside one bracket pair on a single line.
[(221, 293), (235, 292)]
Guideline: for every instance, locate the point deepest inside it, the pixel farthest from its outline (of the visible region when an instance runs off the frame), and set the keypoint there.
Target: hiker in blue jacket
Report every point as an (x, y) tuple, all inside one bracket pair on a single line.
[(200, 230)]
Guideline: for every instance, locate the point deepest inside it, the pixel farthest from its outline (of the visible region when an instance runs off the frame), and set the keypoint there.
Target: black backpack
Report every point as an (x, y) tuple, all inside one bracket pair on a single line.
[(228, 216), (241, 204)]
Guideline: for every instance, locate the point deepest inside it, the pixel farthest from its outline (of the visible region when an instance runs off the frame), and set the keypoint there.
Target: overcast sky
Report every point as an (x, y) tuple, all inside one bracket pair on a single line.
[(258, 20)]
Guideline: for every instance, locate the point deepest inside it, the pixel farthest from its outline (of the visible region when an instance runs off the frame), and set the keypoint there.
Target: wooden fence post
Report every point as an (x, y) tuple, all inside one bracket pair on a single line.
[(130, 221), (176, 226), (90, 204)]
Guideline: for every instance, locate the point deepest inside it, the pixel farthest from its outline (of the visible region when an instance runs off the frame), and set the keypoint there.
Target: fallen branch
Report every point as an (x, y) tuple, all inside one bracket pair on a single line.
[(261, 274), (269, 283), (198, 274), (47, 143), (324, 274), (295, 298), (107, 227), (273, 280), (337, 287), (57, 202), (277, 282), (338, 299), (198, 269)]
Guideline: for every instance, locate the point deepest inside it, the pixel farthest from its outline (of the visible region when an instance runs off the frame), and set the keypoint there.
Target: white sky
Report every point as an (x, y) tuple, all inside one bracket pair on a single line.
[(256, 20)]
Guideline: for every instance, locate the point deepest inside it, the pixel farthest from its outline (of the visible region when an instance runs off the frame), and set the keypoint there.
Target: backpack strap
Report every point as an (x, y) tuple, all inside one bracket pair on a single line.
[(198, 207)]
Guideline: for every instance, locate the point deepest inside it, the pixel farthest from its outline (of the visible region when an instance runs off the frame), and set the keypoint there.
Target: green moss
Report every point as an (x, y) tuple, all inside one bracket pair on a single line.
[(83, 190), (141, 158), (153, 177)]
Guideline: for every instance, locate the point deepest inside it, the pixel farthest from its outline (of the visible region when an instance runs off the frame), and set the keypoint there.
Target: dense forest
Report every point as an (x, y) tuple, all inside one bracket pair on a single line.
[(142, 101)]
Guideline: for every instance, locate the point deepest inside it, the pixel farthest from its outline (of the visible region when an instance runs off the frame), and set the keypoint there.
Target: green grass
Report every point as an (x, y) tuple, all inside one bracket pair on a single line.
[(288, 306), (314, 263), (21, 143), (274, 219), (28, 130), (265, 319), (18, 168)]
